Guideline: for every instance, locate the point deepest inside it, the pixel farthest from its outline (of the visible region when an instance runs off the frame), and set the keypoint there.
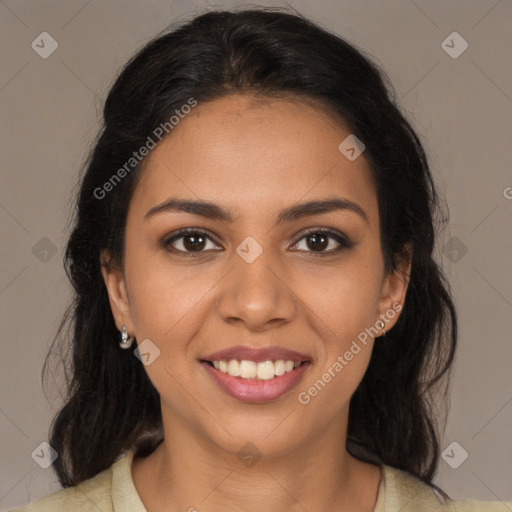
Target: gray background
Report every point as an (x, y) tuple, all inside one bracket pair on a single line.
[(461, 107)]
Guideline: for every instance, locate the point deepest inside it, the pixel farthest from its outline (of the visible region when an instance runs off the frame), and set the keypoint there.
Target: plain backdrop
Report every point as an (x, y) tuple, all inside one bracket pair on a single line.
[(459, 103)]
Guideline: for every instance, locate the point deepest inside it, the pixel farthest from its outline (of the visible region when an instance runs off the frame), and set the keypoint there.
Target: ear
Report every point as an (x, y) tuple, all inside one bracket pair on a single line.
[(113, 277), (393, 291)]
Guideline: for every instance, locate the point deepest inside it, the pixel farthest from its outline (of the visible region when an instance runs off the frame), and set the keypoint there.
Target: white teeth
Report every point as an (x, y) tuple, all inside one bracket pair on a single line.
[(263, 370), (279, 367), (234, 368), (248, 369)]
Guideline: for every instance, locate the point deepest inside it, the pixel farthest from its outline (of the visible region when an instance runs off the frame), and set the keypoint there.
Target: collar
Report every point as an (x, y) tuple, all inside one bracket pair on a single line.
[(398, 490)]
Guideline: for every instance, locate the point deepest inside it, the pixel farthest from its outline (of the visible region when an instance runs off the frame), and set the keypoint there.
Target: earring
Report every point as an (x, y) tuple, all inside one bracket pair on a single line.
[(125, 341), (383, 330)]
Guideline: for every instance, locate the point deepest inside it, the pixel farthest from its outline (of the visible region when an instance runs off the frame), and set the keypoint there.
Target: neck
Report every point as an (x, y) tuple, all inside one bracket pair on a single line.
[(186, 473)]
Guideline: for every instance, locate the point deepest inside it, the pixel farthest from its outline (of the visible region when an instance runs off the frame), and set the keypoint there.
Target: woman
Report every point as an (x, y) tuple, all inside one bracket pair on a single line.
[(259, 322)]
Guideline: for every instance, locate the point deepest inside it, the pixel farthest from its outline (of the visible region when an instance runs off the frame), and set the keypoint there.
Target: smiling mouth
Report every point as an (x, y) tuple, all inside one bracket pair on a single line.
[(262, 370)]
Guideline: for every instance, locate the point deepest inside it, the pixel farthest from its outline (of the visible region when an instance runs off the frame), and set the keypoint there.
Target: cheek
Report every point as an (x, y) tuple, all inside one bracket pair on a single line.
[(344, 309), (343, 316), (165, 299), (344, 301)]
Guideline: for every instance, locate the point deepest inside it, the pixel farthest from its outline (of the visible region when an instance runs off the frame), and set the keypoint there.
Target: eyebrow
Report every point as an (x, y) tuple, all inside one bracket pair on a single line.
[(213, 211)]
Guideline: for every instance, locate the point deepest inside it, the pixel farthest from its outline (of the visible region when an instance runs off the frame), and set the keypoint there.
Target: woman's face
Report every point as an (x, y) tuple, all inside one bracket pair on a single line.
[(256, 279)]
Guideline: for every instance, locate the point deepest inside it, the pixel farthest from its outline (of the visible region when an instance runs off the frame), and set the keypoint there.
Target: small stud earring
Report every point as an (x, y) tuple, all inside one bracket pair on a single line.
[(383, 330), (125, 342)]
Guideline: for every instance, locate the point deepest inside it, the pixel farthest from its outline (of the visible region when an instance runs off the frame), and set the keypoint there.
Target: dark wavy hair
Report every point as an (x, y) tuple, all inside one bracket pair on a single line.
[(111, 405)]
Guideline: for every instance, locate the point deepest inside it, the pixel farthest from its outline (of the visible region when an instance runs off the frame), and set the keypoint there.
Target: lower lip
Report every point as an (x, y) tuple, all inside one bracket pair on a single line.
[(255, 390)]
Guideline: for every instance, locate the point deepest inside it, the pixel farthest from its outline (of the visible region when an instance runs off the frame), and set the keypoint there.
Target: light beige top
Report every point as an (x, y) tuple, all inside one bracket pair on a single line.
[(113, 490)]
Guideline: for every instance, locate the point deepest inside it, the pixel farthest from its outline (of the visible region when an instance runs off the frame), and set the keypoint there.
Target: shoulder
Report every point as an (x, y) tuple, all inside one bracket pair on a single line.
[(108, 491), (91, 495), (407, 493), (480, 506)]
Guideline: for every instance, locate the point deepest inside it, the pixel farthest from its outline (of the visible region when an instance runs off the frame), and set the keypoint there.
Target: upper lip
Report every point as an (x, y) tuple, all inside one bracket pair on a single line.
[(257, 355)]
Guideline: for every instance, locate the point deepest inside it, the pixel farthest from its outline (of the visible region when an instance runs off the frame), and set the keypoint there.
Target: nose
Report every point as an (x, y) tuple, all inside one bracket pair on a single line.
[(256, 294)]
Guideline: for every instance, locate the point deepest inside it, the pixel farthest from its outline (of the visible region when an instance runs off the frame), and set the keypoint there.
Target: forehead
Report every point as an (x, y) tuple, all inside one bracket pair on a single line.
[(246, 152)]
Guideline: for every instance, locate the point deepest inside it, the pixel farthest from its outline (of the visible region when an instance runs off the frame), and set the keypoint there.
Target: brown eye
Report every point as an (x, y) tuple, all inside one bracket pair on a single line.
[(320, 241), (317, 241), (188, 241)]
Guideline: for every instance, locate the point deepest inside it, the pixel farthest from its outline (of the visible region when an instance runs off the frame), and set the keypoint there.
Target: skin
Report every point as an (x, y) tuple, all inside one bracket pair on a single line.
[(254, 158)]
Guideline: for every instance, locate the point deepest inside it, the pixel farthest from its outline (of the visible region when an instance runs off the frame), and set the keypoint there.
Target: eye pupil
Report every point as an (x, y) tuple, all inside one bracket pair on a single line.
[(316, 244), (193, 242)]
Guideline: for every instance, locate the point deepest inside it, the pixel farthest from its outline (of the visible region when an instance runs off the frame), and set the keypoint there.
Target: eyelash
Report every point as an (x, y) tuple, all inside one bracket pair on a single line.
[(344, 242)]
